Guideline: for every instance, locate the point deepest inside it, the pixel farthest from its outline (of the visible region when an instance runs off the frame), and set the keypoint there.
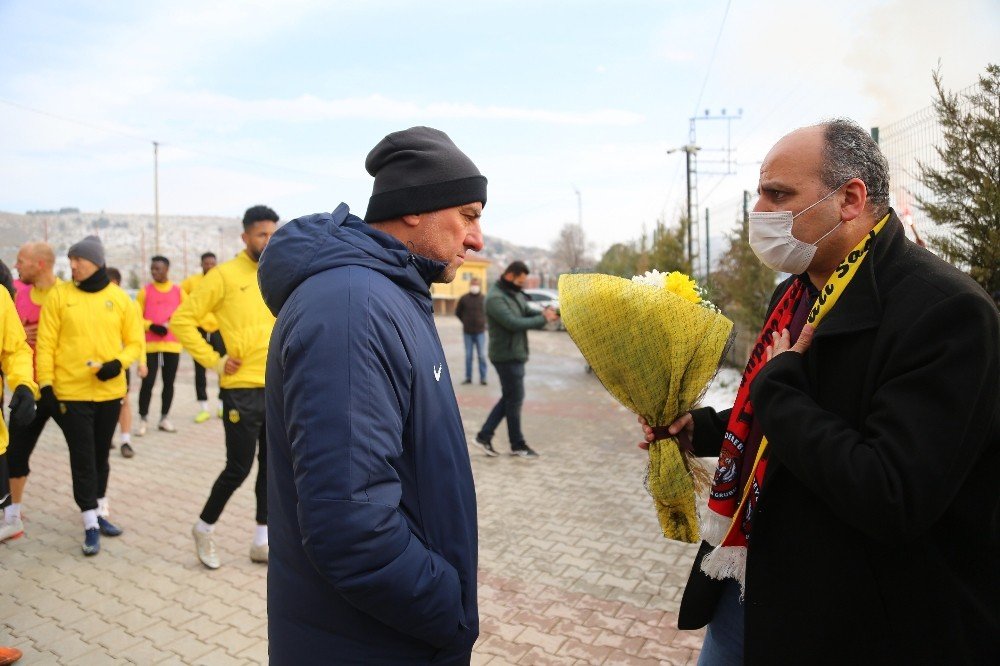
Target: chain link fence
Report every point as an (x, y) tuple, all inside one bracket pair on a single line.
[(907, 144)]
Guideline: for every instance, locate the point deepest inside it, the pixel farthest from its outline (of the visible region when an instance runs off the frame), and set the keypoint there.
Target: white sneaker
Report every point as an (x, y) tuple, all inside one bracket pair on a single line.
[(141, 430), (258, 553), (204, 545), (15, 528), (166, 426)]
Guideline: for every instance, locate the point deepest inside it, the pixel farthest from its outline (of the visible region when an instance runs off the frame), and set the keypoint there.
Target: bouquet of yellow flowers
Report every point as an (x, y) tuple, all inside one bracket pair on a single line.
[(655, 343)]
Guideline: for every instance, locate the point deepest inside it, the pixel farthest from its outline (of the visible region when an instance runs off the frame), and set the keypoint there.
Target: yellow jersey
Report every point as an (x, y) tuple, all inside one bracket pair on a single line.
[(209, 324), (15, 355), (78, 327), (230, 292)]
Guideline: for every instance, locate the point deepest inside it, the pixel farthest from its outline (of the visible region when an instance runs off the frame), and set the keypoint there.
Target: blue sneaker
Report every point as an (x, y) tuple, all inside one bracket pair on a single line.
[(92, 542), (107, 529)]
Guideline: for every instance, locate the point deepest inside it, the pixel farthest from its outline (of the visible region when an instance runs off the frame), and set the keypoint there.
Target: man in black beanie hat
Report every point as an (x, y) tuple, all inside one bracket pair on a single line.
[(88, 332), (373, 544)]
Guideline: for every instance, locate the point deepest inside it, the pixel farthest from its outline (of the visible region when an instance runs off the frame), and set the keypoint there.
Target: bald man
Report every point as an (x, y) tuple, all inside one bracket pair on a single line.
[(36, 279)]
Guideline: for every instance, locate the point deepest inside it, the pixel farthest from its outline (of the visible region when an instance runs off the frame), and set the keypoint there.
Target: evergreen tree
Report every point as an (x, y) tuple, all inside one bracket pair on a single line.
[(621, 259), (741, 285), (966, 190)]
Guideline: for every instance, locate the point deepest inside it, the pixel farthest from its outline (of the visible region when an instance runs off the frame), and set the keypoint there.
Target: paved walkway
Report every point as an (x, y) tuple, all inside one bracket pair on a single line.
[(572, 567)]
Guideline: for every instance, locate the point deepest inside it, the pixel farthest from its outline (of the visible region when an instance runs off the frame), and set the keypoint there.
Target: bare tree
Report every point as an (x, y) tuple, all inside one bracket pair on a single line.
[(569, 251)]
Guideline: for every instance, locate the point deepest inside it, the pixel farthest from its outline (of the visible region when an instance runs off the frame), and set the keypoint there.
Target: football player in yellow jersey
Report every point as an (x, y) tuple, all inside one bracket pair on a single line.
[(34, 268), (89, 331), (230, 291), (15, 360), (209, 329)]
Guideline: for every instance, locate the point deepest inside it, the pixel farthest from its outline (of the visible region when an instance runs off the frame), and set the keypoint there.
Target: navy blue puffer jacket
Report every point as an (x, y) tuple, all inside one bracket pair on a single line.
[(372, 508)]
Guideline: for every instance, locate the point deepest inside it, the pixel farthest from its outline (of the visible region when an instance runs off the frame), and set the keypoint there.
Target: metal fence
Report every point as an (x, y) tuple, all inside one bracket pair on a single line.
[(907, 144)]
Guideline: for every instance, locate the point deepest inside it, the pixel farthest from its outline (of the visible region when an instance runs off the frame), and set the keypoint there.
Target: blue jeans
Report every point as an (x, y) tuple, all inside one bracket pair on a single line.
[(511, 374), (477, 340), (723, 644)]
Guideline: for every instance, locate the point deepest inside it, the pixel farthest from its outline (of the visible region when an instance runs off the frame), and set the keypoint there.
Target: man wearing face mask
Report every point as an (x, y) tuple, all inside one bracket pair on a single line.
[(509, 319), (855, 500), (472, 312)]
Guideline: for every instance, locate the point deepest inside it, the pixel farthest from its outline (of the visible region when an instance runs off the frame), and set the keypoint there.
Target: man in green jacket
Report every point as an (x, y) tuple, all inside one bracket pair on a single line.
[(508, 320)]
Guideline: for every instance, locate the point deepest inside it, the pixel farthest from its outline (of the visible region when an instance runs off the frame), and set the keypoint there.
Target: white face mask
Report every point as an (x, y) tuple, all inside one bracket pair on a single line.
[(772, 241), (474, 289)]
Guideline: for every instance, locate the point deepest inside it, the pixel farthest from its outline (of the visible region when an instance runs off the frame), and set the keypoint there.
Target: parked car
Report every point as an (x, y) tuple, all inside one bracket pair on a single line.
[(539, 299)]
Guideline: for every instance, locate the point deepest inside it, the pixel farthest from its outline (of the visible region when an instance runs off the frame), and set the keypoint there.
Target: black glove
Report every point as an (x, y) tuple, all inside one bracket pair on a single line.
[(110, 370), (49, 399), (159, 329), (22, 406)]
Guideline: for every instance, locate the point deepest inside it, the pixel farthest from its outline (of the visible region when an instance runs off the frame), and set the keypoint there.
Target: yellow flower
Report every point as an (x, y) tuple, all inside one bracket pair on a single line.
[(682, 285)]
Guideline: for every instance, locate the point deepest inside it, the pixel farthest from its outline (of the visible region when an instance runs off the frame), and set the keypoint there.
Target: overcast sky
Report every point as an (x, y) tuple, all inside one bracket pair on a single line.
[(278, 103)]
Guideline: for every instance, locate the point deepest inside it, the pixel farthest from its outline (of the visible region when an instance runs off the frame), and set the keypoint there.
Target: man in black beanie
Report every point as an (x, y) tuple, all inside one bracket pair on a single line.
[(373, 542), (88, 332)]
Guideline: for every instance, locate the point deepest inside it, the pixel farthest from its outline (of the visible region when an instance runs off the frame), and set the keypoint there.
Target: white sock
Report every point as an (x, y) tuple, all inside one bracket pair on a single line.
[(89, 519), (12, 512), (102, 507), (260, 535), (204, 527), (126, 438), (204, 405)]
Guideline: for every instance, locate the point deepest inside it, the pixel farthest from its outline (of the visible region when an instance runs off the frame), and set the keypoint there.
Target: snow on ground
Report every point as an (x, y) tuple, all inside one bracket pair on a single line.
[(721, 392)]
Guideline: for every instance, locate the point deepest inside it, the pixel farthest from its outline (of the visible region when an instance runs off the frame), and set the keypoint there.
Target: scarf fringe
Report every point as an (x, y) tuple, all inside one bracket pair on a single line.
[(727, 562), (714, 526)]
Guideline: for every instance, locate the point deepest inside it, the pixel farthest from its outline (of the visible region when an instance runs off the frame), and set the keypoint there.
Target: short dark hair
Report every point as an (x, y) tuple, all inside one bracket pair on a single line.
[(207, 255), (161, 259), (114, 275), (257, 214), (849, 151), (517, 268), (7, 279)]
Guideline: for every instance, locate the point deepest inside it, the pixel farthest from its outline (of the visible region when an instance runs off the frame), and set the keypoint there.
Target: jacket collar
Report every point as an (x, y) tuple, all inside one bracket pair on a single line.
[(860, 307)]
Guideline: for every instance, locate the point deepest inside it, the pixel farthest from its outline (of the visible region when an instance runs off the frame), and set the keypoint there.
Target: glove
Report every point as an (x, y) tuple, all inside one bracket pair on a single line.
[(159, 329), (110, 370), (49, 399), (22, 406)]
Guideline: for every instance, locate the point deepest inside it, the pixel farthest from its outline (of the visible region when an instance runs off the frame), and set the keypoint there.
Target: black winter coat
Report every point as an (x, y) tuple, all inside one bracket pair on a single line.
[(877, 533), (471, 310)]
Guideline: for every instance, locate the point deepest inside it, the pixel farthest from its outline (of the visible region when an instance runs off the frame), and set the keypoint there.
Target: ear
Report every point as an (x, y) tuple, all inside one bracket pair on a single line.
[(855, 199), (243, 237), (411, 220)]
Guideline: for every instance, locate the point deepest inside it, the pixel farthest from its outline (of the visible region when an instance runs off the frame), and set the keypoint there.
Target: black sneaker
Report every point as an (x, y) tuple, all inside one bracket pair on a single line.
[(92, 541), (483, 382), (524, 451), (487, 447), (467, 381), (127, 451), (107, 528)]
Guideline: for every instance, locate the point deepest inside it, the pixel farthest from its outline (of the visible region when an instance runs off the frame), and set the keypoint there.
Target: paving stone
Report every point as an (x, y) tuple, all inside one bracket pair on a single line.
[(581, 577)]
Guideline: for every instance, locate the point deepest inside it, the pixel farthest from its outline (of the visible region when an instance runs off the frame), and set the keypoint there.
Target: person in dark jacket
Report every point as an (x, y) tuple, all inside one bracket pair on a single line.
[(471, 310), (509, 319), (374, 538), (876, 521)]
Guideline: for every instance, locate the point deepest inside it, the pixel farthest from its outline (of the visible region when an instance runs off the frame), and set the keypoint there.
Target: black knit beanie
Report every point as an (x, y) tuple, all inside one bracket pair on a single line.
[(420, 170)]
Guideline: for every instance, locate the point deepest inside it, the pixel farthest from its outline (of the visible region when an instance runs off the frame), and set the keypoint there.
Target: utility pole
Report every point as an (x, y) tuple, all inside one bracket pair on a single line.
[(579, 208), (692, 178), (708, 250), (156, 192), (746, 213)]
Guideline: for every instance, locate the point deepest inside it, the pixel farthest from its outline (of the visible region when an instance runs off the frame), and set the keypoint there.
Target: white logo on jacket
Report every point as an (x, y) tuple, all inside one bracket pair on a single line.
[(437, 371)]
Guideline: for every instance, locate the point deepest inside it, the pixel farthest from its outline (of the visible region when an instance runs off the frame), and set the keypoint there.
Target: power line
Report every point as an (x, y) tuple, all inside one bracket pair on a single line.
[(146, 140), (711, 60)]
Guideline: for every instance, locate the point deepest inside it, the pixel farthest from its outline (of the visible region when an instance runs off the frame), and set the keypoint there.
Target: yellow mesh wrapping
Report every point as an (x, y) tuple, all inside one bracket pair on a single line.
[(656, 353)]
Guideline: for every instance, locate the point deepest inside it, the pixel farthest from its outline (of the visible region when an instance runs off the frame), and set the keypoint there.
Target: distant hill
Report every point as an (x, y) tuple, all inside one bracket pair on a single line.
[(130, 240)]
